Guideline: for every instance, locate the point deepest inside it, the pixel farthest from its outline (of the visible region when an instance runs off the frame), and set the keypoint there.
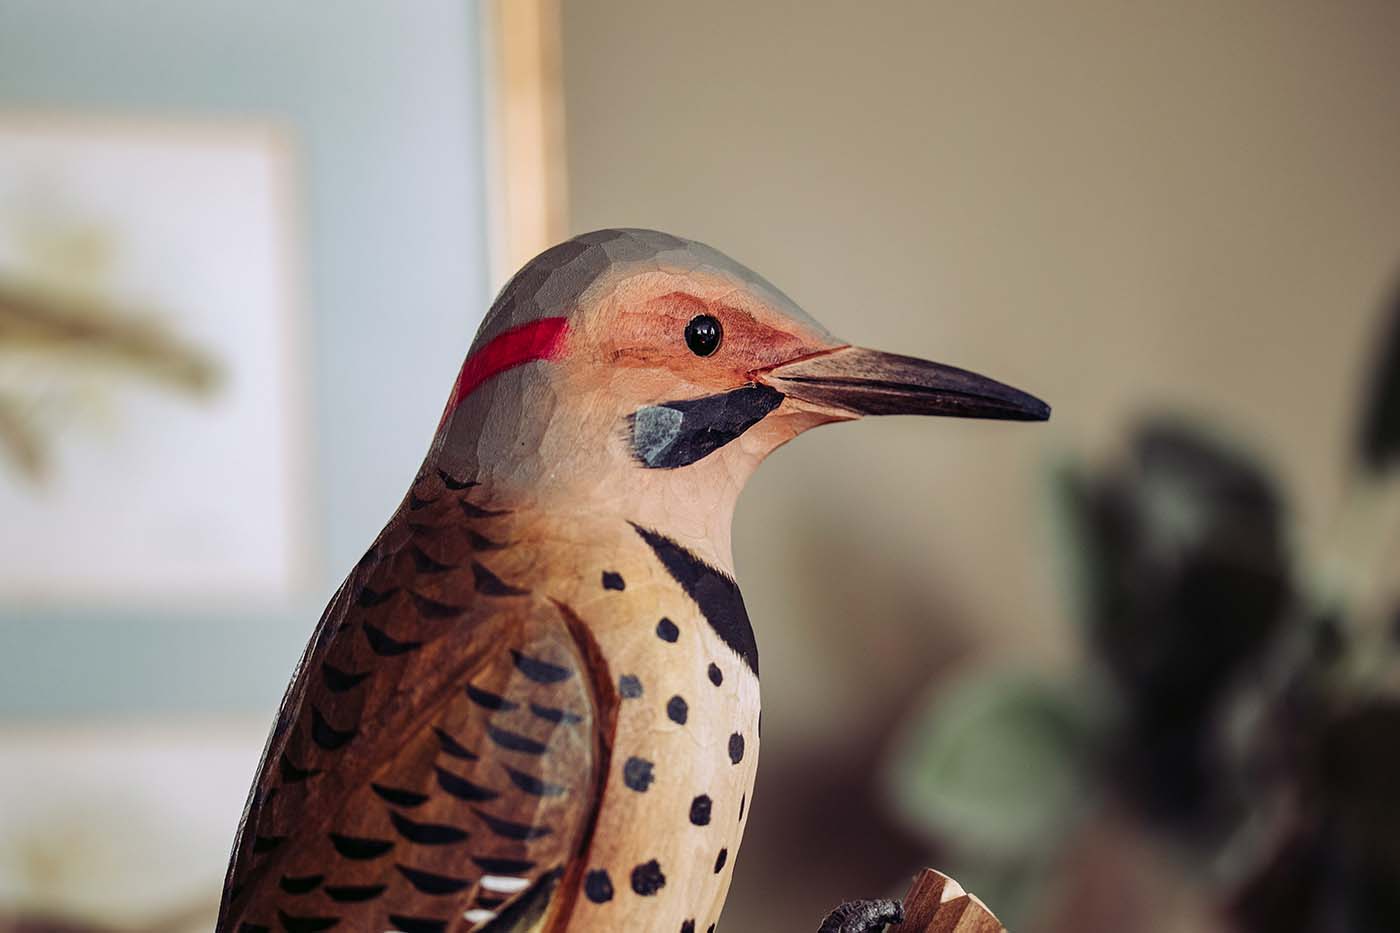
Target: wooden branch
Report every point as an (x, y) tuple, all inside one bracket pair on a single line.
[(938, 904)]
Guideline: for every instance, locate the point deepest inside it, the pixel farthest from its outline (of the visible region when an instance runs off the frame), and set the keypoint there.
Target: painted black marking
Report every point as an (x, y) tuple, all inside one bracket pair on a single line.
[(417, 924), (677, 434), (430, 883), (613, 581), (354, 893), (463, 789), (423, 563), (326, 735), (476, 511), (360, 848), (291, 773), (716, 594), (482, 543), (688, 927), (541, 672), (629, 686), (489, 700), (370, 598), (533, 785), (384, 645), (426, 834), (514, 741), (250, 927), (303, 884), (509, 829), (503, 866), (720, 860), (677, 710), (666, 631), (736, 748), (700, 810), (716, 675), (451, 746), (432, 609), (338, 681), (555, 714), (456, 485), (399, 797), (295, 924), (488, 584), (598, 886), (637, 773), (490, 903), (415, 502), (263, 844), (743, 801), (647, 878)]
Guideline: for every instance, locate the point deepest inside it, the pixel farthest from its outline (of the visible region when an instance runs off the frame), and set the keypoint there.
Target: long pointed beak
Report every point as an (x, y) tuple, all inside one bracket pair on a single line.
[(869, 382)]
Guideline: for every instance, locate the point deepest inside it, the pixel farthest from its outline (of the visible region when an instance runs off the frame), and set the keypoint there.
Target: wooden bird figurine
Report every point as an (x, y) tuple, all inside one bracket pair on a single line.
[(534, 703)]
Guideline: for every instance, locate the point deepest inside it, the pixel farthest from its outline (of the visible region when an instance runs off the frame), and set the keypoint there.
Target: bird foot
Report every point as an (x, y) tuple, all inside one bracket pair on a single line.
[(863, 916)]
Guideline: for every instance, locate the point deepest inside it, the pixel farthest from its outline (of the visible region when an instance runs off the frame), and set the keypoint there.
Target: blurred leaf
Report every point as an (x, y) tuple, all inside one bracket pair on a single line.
[(1378, 441), (997, 764)]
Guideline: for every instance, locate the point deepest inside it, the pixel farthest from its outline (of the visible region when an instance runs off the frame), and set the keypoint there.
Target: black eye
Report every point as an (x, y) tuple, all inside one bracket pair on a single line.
[(702, 335)]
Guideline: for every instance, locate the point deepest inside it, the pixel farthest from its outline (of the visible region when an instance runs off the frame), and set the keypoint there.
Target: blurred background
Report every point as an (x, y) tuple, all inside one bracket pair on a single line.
[(1131, 670)]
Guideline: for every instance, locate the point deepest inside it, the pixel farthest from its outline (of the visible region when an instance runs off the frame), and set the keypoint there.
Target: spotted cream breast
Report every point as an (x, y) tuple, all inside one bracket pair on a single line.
[(534, 703)]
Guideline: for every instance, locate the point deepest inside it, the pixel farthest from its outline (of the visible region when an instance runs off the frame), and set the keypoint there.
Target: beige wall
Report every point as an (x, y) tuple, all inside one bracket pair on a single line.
[(1117, 206)]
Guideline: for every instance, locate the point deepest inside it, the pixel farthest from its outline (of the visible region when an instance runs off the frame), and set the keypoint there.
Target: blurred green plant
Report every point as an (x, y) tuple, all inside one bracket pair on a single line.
[(1240, 705)]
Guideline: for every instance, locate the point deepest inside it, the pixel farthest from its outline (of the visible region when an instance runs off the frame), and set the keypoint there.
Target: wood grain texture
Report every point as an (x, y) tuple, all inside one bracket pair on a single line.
[(938, 904)]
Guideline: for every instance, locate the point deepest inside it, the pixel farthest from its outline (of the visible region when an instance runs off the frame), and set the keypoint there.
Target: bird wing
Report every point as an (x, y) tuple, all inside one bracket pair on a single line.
[(437, 758)]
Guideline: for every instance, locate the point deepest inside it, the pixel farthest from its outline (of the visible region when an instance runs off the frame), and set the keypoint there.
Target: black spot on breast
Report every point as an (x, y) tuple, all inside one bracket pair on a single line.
[(700, 810), (598, 886), (613, 581), (384, 645), (629, 686), (716, 676), (326, 735), (338, 681), (715, 593), (417, 924), (736, 748), (541, 672), (451, 746), (514, 741), (488, 584), (637, 773), (666, 630), (647, 878), (295, 924), (677, 710), (720, 860), (359, 848), (300, 885), (291, 773), (354, 893), (463, 789), (430, 883), (399, 797), (508, 829), (426, 834), (688, 927), (488, 700)]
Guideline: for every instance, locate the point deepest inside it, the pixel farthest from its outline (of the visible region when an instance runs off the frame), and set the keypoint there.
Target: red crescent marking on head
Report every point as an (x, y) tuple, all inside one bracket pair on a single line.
[(536, 340)]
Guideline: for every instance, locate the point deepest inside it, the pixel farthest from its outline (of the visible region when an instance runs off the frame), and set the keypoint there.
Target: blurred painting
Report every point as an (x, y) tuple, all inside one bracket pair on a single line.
[(151, 440)]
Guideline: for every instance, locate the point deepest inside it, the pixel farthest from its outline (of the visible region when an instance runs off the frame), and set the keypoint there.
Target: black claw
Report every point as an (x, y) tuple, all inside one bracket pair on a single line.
[(863, 916)]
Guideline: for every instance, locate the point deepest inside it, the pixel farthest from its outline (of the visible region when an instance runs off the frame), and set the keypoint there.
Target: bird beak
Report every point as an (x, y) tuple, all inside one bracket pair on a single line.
[(869, 382)]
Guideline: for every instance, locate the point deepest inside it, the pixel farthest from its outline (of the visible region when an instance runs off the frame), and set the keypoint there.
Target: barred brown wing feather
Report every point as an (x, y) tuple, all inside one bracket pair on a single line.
[(419, 788)]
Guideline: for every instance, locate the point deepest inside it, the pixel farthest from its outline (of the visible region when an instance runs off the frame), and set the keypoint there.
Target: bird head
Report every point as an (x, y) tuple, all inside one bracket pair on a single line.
[(637, 372)]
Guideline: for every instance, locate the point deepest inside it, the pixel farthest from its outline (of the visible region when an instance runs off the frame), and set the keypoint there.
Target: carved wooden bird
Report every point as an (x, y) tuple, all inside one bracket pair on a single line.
[(534, 703)]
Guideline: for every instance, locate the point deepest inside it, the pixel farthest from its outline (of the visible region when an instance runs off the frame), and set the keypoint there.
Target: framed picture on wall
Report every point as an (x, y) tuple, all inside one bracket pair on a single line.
[(153, 439)]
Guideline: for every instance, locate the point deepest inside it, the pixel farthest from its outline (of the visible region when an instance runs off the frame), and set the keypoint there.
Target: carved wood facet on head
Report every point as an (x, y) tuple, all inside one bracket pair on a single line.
[(534, 702)]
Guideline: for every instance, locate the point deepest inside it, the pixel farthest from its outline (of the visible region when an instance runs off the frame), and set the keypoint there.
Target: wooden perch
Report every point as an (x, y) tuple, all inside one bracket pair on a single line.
[(938, 904)]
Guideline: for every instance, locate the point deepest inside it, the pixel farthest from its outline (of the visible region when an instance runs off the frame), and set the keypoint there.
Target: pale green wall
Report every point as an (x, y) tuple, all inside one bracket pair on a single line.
[(383, 101)]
